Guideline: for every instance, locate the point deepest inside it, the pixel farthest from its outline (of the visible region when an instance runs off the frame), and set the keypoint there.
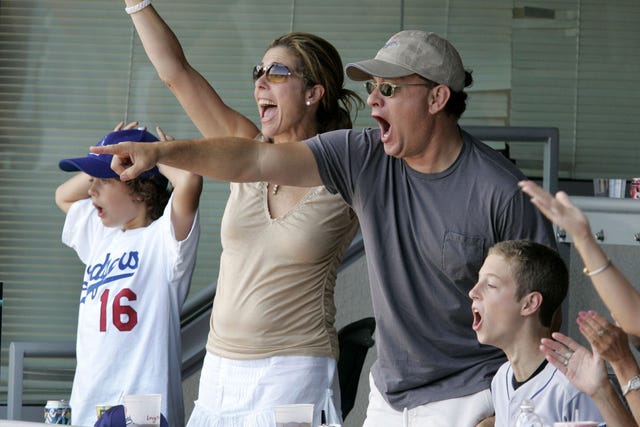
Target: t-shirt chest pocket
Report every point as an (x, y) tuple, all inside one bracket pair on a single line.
[(462, 256)]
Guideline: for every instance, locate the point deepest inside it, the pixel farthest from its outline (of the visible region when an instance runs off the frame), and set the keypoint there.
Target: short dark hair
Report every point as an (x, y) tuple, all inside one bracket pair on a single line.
[(536, 268), (457, 103)]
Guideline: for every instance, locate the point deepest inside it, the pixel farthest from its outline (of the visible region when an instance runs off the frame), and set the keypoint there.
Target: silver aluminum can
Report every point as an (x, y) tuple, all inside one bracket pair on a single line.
[(57, 412)]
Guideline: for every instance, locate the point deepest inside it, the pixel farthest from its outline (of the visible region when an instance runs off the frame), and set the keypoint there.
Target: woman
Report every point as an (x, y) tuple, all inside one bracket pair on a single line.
[(272, 339)]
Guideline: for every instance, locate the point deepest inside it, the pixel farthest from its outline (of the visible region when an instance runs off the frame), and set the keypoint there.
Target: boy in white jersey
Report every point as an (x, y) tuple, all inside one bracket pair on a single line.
[(138, 241), (520, 286)]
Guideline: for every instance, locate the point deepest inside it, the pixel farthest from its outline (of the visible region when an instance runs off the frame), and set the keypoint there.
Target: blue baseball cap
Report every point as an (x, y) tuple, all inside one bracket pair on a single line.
[(99, 165)]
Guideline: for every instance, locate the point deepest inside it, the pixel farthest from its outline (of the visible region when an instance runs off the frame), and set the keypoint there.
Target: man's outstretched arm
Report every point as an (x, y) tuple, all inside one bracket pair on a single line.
[(226, 159)]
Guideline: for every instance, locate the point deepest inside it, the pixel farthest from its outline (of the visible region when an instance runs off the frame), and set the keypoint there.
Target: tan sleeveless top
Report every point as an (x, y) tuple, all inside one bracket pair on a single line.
[(277, 275)]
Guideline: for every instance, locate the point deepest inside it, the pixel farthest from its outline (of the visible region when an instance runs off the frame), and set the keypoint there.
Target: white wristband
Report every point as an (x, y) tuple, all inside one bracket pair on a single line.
[(137, 7), (597, 270)]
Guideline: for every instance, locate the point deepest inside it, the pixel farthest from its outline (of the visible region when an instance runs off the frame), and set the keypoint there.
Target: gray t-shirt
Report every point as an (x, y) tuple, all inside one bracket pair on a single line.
[(425, 237)]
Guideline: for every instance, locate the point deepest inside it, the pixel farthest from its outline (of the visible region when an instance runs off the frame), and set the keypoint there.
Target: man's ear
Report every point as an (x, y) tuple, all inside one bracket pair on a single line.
[(438, 97), (531, 303)]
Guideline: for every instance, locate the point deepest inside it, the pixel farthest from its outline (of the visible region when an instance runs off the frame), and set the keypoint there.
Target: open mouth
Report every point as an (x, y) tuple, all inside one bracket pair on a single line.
[(385, 127), (267, 109), (100, 210), (477, 319)]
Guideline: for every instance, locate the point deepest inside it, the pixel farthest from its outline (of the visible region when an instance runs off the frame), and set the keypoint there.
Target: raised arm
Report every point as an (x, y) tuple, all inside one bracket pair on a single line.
[(200, 101), (187, 188), (620, 297), (74, 189), (227, 159)]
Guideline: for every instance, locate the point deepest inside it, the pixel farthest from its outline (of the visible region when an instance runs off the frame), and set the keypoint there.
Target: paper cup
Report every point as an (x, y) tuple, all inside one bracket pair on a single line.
[(617, 188), (296, 415), (101, 409), (142, 409)]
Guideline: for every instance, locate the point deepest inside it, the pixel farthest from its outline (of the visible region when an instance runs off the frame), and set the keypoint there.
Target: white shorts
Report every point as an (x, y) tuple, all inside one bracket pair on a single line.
[(464, 411), (242, 393)]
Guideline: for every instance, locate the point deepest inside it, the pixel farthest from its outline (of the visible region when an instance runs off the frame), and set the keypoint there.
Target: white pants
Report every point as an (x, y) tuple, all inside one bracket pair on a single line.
[(242, 393), (464, 411)]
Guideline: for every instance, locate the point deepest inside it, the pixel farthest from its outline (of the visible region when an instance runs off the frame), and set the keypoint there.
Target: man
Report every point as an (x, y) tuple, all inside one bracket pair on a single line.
[(431, 201)]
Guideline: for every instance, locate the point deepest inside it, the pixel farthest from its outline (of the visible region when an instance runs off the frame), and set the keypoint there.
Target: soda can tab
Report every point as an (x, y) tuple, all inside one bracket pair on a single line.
[(57, 412), (634, 190)]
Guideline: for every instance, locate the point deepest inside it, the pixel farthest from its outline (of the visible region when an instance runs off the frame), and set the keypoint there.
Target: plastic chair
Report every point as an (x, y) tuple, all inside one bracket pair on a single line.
[(354, 340)]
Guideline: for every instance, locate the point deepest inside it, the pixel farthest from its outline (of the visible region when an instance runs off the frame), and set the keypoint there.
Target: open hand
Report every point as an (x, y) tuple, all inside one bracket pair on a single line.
[(583, 369), (130, 125), (558, 209), (610, 341)]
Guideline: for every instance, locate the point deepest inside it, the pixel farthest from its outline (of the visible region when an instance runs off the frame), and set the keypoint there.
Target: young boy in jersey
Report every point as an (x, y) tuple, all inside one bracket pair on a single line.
[(138, 240), (520, 286)]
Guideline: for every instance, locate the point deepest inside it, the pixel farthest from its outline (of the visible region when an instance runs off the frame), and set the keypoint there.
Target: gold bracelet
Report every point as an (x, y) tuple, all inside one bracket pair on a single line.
[(597, 270)]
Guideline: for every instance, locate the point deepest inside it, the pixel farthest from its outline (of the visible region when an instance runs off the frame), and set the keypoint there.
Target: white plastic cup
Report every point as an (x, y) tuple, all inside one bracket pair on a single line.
[(294, 415), (617, 188), (142, 409)]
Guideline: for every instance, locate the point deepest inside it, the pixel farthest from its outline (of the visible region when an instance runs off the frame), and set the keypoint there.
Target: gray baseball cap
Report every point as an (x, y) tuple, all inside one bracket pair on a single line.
[(414, 52)]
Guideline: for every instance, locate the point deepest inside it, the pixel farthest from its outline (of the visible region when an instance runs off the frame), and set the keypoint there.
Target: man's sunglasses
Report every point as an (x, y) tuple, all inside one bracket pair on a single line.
[(389, 89), (276, 72)]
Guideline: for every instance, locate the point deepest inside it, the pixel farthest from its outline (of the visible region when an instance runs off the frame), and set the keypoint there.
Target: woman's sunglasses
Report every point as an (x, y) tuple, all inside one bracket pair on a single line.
[(276, 72), (389, 89)]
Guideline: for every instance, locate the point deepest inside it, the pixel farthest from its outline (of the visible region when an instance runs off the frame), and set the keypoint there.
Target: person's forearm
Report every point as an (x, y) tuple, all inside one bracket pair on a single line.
[(614, 289), (612, 408), (244, 160), (222, 159), (633, 400), (187, 187), (625, 370), (197, 96), (74, 189), (228, 159), (159, 42)]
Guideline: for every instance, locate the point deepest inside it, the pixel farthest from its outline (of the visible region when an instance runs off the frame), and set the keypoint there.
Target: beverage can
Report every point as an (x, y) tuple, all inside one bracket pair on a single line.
[(634, 191), (57, 412)]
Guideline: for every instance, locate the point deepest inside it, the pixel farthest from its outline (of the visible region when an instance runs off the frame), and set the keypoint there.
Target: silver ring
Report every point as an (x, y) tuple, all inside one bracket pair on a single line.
[(566, 362), (569, 354), (601, 332)]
